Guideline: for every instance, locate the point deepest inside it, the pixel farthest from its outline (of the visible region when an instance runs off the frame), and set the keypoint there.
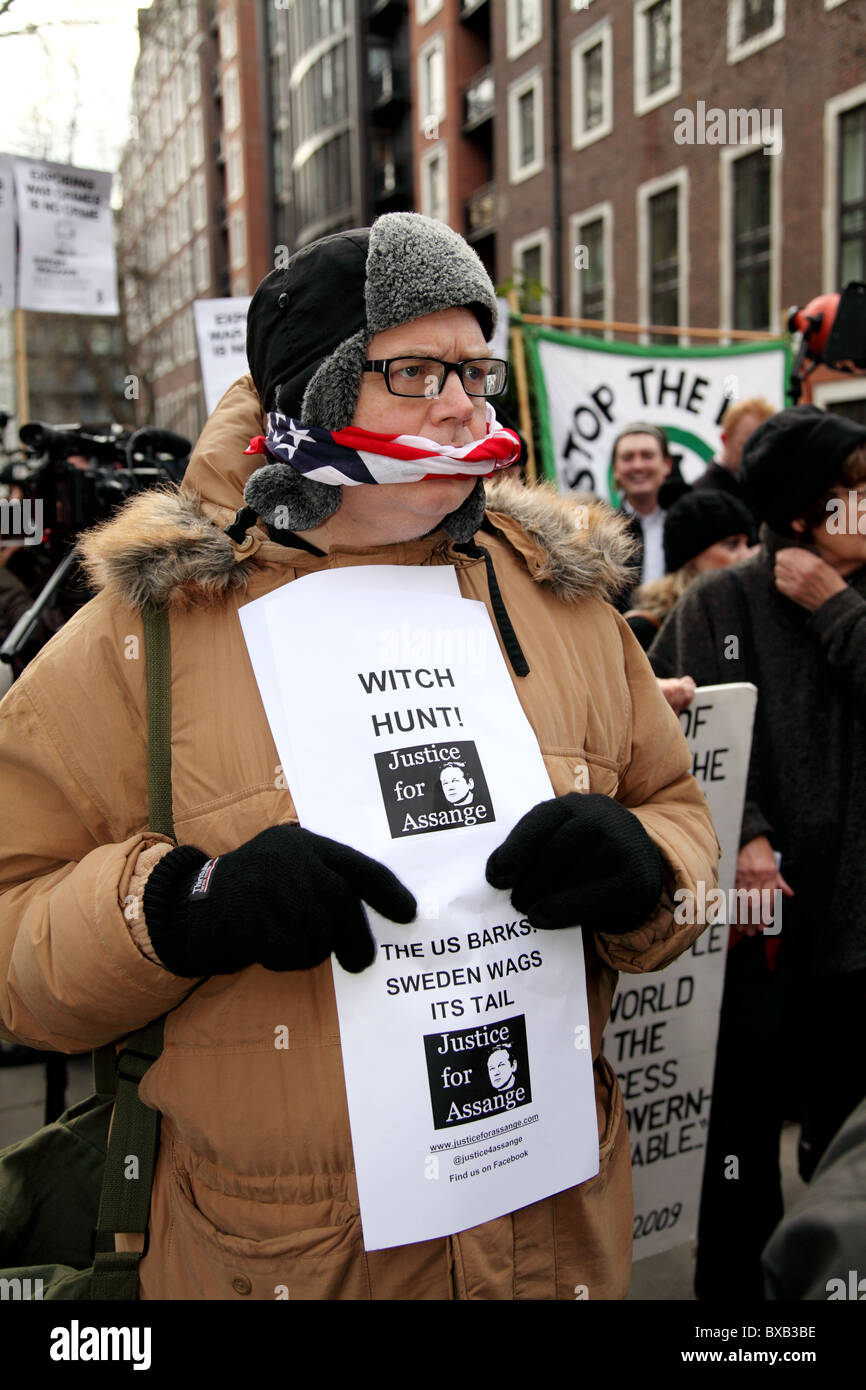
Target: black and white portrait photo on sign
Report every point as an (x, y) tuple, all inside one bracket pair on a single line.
[(433, 786), (478, 1072)]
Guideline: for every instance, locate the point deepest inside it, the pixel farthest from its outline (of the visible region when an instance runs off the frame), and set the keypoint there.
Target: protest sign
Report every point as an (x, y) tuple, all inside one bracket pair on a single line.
[(66, 229), (7, 233), (587, 391), (466, 1044), (221, 333), (661, 1038)]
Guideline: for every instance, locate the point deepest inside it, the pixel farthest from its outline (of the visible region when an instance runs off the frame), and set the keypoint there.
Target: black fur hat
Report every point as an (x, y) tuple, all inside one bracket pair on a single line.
[(309, 325)]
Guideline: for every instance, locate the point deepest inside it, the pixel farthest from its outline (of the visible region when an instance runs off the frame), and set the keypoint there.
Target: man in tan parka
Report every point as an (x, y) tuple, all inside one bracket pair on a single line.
[(103, 924)]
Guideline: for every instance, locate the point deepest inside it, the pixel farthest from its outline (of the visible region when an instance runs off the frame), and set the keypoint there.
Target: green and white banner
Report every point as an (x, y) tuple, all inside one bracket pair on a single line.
[(588, 390)]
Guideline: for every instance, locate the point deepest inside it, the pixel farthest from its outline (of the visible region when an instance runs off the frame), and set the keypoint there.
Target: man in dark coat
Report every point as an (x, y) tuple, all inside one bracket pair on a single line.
[(793, 620)]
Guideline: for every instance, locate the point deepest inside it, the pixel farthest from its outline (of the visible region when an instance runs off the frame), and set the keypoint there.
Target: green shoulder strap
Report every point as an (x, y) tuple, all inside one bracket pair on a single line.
[(131, 1160)]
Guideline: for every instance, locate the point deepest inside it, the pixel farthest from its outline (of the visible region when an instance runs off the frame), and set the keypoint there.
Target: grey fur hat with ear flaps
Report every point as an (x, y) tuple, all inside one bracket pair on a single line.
[(307, 333)]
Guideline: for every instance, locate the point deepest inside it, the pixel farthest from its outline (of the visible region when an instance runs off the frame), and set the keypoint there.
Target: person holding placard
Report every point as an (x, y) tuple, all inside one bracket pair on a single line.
[(791, 619), (361, 439)]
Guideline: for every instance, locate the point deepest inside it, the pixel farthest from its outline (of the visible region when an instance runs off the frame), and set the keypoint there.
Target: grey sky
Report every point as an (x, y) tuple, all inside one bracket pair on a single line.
[(68, 75)]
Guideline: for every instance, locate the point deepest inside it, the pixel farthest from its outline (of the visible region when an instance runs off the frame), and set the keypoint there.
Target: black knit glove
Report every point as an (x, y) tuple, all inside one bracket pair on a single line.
[(286, 899), (580, 860)]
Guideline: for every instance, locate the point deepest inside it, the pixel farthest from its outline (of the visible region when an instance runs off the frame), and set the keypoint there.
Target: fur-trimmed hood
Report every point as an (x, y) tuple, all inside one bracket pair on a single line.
[(168, 547)]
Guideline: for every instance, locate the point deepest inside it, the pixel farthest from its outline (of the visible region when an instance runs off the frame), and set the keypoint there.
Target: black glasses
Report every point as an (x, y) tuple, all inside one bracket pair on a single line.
[(425, 376)]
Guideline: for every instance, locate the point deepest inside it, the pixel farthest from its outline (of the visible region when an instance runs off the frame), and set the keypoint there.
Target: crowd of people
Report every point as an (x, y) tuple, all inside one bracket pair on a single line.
[(234, 924)]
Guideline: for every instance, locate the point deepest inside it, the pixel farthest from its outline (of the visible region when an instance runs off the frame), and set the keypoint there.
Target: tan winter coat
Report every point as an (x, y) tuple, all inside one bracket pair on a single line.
[(255, 1191)]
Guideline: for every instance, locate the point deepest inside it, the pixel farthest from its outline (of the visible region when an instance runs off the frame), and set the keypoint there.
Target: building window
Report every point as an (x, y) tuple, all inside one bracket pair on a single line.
[(183, 142), (525, 127), (172, 229), (751, 241), (524, 25), (322, 96), (752, 25), (196, 139), (228, 34), (202, 265), (324, 182), (592, 86), (431, 74), (235, 171), (592, 271), (231, 99), (530, 257), (178, 106), (186, 275), (193, 78), (184, 213), (840, 183), (313, 20), (852, 195), (434, 183), (663, 253), (425, 9), (237, 240), (199, 202), (664, 263), (657, 52)]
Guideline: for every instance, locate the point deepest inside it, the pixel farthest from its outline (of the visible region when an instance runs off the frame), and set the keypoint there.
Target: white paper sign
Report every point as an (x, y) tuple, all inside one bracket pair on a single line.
[(662, 1034), (221, 333), (466, 1044), (66, 228), (7, 233)]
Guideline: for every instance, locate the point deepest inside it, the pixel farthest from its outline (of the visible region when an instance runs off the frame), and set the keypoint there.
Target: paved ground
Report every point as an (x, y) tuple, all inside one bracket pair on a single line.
[(661, 1277)]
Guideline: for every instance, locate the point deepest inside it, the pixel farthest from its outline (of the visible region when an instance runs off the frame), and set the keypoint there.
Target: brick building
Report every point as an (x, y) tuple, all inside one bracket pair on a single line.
[(608, 179), (612, 150), (194, 222)]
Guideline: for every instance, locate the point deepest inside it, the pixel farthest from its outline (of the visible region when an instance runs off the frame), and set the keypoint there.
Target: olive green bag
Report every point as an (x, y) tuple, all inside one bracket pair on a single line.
[(66, 1190)]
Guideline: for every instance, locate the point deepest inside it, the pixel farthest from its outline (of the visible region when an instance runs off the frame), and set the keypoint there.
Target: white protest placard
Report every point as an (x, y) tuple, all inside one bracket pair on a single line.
[(221, 333), (466, 1044), (588, 391), (66, 229), (661, 1038), (7, 233)]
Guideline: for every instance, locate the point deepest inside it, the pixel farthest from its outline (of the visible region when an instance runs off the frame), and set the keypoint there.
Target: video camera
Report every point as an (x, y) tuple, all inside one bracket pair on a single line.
[(75, 476), (81, 474)]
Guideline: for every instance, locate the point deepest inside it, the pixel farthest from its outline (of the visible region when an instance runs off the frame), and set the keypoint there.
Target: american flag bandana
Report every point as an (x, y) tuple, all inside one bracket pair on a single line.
[(352, 456)]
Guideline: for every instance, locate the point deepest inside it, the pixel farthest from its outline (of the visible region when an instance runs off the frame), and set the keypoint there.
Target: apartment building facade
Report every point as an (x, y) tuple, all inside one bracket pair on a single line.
[(258, 125), (194, 221), (628, 171)]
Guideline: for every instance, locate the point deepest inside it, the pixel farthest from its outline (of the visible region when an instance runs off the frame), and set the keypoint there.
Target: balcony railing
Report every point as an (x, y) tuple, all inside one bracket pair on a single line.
[(481, 212), (479, 100)]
